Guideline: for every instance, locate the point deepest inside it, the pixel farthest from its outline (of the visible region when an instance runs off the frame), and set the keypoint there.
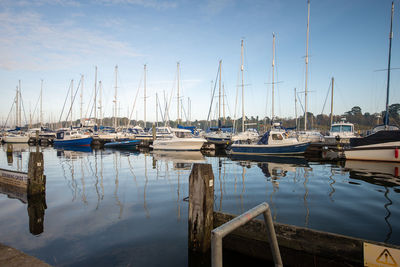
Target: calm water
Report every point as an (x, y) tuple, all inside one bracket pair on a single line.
[(107, 207)]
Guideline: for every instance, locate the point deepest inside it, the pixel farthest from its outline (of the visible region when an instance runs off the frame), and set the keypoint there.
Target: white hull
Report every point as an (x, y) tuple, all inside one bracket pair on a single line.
[(16, 139), (377, 152), (184, 144)]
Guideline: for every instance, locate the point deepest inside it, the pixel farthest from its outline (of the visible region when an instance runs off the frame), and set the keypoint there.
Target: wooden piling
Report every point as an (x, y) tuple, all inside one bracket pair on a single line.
[(201, 202), (36, 179)]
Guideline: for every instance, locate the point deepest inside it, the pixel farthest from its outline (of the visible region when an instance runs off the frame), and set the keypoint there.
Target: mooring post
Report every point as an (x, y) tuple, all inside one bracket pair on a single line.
[(201, 204), (9, 153), (36, 179)]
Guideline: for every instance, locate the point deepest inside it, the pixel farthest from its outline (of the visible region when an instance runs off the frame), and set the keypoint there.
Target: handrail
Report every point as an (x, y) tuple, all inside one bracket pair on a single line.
[(220, 232)]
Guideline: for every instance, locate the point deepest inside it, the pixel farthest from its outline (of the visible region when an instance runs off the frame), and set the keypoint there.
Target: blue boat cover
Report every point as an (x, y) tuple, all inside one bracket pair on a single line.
[(264, 139), (191, 128)]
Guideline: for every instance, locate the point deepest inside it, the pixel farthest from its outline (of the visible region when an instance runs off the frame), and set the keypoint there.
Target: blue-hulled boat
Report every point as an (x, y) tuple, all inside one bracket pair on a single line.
[(123, 144), (71, 139), (274, 142)]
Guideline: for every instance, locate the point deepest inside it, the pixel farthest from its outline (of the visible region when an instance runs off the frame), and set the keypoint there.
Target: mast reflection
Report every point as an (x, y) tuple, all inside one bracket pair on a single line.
[(384, 174)]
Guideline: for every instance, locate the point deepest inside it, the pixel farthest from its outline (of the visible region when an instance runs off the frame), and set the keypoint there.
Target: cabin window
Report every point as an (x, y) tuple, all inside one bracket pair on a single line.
[(277, 137), (335, 128), (347, 128), (67, 133)]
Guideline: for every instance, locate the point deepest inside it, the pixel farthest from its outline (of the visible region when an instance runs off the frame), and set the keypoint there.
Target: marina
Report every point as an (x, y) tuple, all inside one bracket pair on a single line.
[(140, 150), (109, 206)]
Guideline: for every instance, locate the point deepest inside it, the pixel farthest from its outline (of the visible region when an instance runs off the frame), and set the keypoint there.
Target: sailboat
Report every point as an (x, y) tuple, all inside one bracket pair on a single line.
[(384, 142), (250, 134), (275, 141), (220, 136), (17, 136)]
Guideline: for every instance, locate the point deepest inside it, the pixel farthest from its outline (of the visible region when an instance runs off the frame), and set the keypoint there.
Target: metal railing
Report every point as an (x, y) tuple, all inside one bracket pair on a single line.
[(218, 233)]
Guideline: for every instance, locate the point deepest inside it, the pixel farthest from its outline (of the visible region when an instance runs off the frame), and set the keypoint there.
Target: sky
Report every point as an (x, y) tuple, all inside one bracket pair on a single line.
[(62, 40)]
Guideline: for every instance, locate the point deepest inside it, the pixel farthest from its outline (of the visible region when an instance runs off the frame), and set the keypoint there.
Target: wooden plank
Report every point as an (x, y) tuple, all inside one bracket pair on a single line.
[(297, 244)]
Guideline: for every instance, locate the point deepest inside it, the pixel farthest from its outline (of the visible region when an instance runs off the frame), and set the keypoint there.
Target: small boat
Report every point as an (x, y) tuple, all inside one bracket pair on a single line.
[(16, 138), (123, 144), (72, 138), (274, 142), (182, 140), (219, 136)]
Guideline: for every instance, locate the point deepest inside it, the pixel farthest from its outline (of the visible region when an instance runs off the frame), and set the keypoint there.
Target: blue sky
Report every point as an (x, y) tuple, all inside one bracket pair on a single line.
[(58, 40)]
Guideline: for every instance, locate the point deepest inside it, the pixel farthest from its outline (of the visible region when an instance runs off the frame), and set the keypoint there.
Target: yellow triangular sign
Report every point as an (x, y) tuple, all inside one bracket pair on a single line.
[(386, 258)]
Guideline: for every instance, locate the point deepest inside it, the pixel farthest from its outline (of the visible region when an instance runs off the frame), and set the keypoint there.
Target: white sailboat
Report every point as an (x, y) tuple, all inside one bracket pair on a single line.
[(275, 141), (219, 136), (307, 135), (17, 136)]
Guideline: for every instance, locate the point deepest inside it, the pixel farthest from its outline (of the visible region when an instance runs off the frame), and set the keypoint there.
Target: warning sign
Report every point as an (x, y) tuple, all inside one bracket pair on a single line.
[(379, 256)]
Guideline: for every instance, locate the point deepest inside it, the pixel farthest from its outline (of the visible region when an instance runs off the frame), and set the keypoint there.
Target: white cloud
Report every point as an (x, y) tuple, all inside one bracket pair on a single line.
[(30, 43)]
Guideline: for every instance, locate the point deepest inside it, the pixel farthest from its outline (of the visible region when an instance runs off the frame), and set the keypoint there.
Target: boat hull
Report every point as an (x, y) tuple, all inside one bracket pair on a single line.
[(378, 152), (86, 141), (181, 144), (282, 149), (131, 144), (15, 139)]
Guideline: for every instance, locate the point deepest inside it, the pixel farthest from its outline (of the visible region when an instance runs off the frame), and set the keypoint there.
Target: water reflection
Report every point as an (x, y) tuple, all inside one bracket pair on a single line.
[(384, 174), (30, 190)]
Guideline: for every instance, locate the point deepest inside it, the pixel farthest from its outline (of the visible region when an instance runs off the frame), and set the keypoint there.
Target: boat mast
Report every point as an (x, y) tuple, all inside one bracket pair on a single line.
[(81, 119), (72, 98), (306, 59), (333, 80), (219, 95), (115, 98), (273, 68), (241, 69), (19, 104), (95, 94), (100, 103), (388, 70), (41, 101), (223, 102), (295, 105), (144, 85), (16, 107), (156, 110), (177, 71)]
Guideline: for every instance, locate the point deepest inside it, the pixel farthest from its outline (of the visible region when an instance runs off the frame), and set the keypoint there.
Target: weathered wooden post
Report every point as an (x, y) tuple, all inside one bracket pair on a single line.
[(36, 191), (9, 153), (36, 179), (201, 203)]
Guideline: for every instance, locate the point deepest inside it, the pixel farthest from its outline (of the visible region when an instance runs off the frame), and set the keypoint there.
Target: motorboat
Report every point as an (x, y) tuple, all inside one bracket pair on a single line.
[(340, 132), (72, 138), (273, 142), (181, 139)]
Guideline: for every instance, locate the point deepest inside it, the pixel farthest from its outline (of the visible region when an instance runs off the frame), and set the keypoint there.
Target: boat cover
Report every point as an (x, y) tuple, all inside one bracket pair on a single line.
[(383, 136), (264, 139)]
